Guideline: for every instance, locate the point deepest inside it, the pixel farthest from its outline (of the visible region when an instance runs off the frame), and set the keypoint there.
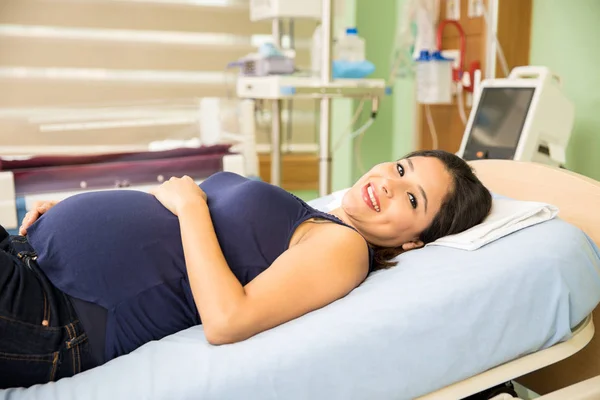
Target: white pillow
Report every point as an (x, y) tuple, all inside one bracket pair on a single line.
[(507, 216)]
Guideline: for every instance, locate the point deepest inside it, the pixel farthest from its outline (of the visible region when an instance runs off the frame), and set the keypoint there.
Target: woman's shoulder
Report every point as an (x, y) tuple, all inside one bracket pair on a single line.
[(333, 238)]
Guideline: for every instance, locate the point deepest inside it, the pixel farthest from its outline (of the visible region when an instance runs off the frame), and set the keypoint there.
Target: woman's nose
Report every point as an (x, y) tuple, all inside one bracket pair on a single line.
[(386, 188)]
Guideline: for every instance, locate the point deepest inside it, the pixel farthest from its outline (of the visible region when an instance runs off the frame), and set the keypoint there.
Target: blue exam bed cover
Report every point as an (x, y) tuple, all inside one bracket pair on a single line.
[(440, 316)]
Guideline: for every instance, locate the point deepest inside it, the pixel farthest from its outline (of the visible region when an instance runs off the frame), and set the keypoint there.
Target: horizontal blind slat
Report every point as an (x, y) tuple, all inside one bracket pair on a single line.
[(139, 16), (37, 92), (15, 134), (39, 53)]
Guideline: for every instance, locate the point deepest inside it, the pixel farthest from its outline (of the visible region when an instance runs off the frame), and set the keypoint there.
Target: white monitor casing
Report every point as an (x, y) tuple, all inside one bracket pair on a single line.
[(547, 128)]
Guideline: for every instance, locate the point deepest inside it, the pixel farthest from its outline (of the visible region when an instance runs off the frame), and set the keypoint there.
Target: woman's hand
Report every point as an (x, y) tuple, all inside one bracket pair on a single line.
[(39, 208), (177, 193)]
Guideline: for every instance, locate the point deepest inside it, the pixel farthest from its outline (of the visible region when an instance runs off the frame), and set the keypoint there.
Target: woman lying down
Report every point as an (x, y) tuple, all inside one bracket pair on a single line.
[(102, 273)]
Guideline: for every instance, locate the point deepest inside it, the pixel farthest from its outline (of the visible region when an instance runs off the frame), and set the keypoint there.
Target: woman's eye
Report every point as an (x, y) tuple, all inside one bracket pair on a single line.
[(400, 169), (413, 200)]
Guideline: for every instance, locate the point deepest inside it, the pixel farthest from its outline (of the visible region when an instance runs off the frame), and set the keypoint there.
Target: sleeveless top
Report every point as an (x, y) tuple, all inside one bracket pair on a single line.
[(118, 254)]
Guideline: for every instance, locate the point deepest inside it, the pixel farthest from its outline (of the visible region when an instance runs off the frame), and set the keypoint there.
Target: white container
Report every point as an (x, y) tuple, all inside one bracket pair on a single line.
[(434, 78), (350, 47)]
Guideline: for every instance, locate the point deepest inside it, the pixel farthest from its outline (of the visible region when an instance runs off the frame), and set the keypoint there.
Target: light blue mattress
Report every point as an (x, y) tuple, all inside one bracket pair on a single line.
[(440, 316)]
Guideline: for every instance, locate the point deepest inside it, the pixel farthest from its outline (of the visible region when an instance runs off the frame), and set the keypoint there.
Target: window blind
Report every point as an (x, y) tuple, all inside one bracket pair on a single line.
[(147, 54)]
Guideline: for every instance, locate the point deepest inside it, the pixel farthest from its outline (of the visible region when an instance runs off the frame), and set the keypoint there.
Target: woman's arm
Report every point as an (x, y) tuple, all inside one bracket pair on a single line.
[(217, 292), (320, 269), (306, 277)]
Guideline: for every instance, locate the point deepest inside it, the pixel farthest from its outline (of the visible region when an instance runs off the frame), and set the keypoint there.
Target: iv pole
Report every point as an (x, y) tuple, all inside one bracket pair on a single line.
[(325, 114), (325, 122), (276, 107)]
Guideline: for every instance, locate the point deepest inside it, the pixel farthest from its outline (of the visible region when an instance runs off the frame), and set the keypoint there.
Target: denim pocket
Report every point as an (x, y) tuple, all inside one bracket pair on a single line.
[(24, 370), (29, 354)]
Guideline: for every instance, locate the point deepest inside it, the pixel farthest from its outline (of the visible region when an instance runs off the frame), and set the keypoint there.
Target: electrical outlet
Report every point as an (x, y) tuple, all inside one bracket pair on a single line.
[(453, 10), (475, 8)]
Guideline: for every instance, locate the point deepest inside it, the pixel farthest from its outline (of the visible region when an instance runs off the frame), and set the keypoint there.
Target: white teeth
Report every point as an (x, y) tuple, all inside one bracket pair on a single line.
[(372, 197)]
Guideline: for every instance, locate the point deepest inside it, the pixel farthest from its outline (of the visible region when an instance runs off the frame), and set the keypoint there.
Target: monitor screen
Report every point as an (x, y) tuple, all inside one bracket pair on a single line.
[(498, 122)]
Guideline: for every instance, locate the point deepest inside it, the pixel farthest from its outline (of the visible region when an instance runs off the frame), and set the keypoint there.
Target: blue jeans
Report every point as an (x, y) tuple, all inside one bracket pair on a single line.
[(41, 338)]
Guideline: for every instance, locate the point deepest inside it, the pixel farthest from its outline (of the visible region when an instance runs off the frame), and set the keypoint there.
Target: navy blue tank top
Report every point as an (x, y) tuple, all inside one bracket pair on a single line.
[(119, 254)]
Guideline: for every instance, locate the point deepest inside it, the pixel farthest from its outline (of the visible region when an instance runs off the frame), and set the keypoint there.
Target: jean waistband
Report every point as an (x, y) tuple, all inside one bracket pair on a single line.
[(21, 248), (58, 300)]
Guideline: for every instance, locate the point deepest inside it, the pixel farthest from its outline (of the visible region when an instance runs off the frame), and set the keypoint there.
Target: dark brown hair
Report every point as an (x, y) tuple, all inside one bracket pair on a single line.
[(467, 204)]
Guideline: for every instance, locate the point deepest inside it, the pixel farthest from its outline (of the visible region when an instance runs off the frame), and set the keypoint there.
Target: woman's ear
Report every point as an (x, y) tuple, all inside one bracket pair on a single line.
[(412, 245)]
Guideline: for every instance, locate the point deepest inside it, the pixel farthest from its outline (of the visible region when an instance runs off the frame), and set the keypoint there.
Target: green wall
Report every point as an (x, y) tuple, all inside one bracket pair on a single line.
[(564, 37), (377, 24), (341, 114), (394, 131), (405, 105)]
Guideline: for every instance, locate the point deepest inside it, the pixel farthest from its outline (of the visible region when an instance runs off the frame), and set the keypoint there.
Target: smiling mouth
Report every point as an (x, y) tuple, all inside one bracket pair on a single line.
[(371, 198)]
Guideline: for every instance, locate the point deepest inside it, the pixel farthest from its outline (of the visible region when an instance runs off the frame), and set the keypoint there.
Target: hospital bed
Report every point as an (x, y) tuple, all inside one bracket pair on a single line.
[(53, 172), (443, 324)]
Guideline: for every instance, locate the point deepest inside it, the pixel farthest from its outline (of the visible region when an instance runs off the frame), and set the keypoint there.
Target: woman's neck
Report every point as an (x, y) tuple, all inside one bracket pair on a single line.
[(339, 213)]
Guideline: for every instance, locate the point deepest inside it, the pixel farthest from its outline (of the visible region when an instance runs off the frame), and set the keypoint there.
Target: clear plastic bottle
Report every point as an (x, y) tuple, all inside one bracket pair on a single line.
[(441, 70), (423, 77), (434, 78), (350, 47)]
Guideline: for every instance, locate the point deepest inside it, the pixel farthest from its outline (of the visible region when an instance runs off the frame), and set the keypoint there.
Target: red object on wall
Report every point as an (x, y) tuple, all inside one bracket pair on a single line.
[(457, 73)]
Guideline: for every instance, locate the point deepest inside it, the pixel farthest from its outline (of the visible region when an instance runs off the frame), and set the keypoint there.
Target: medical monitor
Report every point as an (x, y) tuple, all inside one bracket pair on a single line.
[(524, 117), (498, 123)]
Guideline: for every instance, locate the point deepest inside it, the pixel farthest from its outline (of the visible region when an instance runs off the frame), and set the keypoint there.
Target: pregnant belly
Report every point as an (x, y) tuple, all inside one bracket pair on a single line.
[(103, 247)]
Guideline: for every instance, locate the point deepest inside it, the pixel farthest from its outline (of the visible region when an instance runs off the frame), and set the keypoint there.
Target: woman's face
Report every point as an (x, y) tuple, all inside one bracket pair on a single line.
[(394, 202)]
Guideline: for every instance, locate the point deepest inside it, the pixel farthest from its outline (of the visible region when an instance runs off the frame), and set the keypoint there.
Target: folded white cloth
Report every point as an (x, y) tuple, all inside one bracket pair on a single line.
[(507, 216)]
